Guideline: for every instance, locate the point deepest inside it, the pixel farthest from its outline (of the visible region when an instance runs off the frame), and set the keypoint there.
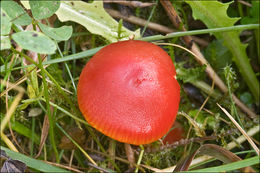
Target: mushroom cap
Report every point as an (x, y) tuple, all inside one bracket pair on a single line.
[(128, 91), (177, 133)]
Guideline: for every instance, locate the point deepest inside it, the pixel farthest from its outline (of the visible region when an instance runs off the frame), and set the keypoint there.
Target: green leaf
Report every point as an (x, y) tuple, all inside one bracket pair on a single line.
[(59, 34), (247, 98), (254, 14), (32, 163), (203, 119), (5, 42), (35, 41), (94, 18), (5, 23), (189, 74), (218, 55), (206, 12), (32, 83), (25, 131), (43, 9), (16, 13), (214, 15)]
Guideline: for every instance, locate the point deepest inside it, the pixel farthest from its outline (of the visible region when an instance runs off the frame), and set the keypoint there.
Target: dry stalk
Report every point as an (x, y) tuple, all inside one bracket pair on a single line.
[(10, 112), (240, 129), (71, 157), (12, 108), (244, 3), (131, 3), (64, 166), (44, 135)]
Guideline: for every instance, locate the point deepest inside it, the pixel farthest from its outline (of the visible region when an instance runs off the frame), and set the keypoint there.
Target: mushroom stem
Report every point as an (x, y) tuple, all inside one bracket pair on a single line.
[(130, 155)]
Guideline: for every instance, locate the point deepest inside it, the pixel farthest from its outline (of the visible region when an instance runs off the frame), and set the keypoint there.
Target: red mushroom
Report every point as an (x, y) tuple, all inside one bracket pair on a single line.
[(128, 91), (177, 133)]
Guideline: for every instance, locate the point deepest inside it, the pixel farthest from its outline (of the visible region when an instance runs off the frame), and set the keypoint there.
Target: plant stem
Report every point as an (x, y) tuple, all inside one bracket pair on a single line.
[(140, 158), (32, 136), (233, 107), (91, 52), (46, 95), (202, 31), (257, 35), (240, 9)]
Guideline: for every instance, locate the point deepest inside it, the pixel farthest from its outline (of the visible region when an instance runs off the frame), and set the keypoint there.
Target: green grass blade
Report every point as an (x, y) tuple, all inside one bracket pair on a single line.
[(67, 112), (231, 166), (32, 163), (25, 131), (48, 108)]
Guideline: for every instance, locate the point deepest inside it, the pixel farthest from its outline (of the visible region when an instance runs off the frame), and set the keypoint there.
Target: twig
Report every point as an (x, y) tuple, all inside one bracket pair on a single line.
[(245, 3), (177, 22), (180, 143), (240, 129), (151, 25), (99, 168), (131, 3), (64, 166), (139, 21)]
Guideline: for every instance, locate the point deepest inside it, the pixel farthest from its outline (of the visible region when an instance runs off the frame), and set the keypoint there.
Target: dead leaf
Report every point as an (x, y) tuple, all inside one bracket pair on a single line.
[(44, 135), (77, 134)]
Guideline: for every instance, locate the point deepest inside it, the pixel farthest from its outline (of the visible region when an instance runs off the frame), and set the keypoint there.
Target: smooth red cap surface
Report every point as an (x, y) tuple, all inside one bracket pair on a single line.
[(128, 91)]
